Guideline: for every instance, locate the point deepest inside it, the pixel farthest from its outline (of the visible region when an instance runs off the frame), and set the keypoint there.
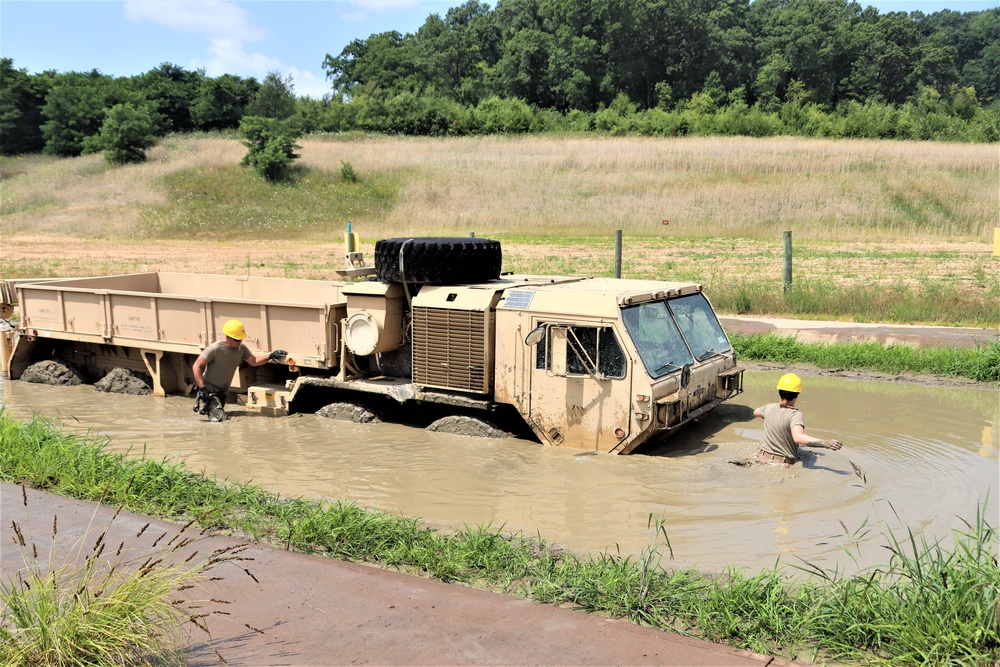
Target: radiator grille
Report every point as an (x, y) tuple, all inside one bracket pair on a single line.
[(450, 349)]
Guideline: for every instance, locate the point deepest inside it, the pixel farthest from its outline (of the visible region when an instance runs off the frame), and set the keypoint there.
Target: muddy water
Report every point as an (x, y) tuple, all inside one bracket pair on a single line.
[(924, 456)]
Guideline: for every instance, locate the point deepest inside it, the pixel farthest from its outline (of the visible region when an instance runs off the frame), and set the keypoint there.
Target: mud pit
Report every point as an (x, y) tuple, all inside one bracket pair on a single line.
[(928, 454)]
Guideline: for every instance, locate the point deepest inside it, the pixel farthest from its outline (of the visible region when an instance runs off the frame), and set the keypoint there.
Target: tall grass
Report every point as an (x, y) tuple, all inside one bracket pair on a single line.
[(98, 604), (930, 604), (980, 363), (708, 187)]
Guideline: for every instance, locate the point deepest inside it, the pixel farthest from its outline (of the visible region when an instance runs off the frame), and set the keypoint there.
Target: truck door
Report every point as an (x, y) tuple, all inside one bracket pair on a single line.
[(580, 387)]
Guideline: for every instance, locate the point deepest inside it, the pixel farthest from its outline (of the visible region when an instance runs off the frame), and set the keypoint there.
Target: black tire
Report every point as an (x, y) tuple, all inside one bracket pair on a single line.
[(438, 261)]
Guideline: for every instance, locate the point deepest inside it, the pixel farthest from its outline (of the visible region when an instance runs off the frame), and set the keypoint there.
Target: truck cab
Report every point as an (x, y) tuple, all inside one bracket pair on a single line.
[(609, 365)]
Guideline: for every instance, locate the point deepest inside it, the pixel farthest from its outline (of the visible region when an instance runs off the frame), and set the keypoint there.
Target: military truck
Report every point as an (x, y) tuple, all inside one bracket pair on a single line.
[(432, 329)]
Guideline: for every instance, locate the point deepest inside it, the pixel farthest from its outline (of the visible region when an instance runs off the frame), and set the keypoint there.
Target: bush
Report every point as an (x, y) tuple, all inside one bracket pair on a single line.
[(271, 145), (347, 172), (125, 135), (503, 116)]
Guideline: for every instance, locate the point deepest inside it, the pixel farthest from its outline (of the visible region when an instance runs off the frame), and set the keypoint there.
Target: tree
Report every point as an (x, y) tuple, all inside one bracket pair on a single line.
[(125, 135), (221, 102), (74, 109), (169, 91), (386, 61), (22, 97), (271, 145), (275, 98), (885, 59)]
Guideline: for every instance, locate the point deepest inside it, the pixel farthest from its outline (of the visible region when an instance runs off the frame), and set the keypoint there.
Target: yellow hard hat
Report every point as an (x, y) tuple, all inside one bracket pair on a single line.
[(790, 382), (234, 329)]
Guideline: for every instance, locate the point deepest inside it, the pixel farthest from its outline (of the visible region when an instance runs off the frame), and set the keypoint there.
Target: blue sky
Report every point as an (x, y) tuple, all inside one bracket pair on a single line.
[(122, 38)]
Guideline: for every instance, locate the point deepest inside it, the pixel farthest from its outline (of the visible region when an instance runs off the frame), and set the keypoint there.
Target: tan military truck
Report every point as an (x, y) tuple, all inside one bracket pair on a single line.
[(596, 364)]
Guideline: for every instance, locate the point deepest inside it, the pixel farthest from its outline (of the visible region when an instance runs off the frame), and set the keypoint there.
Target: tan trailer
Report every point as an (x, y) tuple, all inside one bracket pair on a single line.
[(590, 363)]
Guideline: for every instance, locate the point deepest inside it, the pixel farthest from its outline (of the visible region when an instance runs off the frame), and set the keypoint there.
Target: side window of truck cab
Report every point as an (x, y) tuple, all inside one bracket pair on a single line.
[(583, 350)]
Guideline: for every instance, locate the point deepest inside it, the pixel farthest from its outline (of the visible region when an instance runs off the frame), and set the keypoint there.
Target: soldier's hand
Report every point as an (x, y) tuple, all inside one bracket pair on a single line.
[(834, 444), (277, 354)]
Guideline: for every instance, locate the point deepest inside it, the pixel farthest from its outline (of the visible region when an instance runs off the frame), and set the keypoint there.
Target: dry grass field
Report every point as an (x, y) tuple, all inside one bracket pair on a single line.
[(861, 212)]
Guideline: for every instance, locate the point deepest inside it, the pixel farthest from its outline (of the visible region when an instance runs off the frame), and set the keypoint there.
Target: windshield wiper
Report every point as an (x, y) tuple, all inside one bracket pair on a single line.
[(707, 354), (664, 365)]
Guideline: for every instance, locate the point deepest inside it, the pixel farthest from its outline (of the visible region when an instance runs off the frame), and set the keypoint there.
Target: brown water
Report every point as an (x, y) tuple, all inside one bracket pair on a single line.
[(928, 455)]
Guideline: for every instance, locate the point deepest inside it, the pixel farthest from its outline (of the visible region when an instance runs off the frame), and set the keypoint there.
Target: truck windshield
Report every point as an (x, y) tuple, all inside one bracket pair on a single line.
[(700, 326), (657, 338), (656, 328)]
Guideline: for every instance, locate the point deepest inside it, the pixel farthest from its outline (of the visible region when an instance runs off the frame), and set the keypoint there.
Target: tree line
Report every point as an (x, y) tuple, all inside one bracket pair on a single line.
[(655, 67), (581, 54)]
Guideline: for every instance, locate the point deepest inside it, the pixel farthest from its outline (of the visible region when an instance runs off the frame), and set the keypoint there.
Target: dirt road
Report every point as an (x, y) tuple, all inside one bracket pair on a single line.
[(857, 332)]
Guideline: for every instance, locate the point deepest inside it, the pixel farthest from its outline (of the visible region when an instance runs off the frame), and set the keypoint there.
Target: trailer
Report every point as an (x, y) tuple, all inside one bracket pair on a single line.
[(596, 364)]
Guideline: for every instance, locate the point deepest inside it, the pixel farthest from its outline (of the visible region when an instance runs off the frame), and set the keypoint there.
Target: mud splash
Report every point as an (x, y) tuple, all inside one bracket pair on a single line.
[(914, 455)]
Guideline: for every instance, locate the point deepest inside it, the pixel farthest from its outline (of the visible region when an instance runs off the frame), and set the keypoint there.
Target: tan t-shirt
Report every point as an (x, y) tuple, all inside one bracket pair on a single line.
[(222, 363), (778, 423)]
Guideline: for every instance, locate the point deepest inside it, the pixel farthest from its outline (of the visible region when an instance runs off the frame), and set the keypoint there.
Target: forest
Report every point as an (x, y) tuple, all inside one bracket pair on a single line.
[(829, 68)]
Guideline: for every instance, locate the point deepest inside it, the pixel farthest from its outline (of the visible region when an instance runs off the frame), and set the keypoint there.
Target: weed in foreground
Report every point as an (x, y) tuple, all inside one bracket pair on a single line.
[(106, 604)]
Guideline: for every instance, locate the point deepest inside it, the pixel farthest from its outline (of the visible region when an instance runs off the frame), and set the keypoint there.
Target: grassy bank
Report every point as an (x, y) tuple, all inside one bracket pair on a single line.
[(980, 363), (927, 605)]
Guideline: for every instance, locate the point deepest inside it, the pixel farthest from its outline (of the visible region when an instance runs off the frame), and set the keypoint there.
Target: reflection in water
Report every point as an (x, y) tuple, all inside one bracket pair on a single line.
[(926, 455)]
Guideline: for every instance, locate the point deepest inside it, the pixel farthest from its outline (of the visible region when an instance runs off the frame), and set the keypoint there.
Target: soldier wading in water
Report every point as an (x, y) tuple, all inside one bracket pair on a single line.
[(784, 427)]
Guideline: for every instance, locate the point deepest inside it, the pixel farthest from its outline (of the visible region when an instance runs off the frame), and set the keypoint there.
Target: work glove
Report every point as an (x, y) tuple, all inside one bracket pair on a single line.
[(277, 354), (204, 393)]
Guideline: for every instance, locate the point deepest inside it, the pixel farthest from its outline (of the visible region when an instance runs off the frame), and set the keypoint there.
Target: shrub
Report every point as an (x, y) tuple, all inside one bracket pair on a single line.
[(125, 135), (504, 116), (271, 145), (347, 172)]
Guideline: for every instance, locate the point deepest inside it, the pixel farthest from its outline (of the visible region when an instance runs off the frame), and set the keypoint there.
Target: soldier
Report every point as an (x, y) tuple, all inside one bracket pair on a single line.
[(215, 366), (784, 427)]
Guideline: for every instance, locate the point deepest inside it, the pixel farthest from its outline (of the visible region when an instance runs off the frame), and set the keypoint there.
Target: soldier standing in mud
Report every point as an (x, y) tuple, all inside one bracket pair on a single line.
[(215, 366), (784, 427)]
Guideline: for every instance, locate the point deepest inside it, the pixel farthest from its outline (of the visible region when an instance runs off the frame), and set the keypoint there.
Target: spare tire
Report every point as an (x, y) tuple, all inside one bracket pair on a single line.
[(438, 261)]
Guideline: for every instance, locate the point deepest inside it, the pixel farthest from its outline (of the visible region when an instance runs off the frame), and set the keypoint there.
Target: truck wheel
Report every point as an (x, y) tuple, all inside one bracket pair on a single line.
[(438, 260), (55, 373), (348, 412), (462, 425)]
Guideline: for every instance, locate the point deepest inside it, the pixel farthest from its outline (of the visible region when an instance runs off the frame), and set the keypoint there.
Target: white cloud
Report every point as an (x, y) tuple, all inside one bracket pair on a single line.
[(211, 17), (228, 56), (228, 28)]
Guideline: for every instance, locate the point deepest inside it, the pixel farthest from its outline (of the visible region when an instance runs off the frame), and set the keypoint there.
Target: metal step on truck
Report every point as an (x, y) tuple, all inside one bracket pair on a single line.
[(433, 328)]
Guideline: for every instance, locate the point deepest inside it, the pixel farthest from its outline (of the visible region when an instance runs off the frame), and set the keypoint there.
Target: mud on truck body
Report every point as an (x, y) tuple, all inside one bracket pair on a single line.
[(596, 364)]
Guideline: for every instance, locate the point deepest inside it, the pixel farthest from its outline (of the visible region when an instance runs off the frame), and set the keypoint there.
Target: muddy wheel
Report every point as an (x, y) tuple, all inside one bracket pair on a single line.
[(348, 412), (471, 426), (55, 373), (216, 413), (438, 260)]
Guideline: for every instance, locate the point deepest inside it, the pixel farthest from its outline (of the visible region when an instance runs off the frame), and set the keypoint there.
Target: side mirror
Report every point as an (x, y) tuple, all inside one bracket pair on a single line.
[(685, 376), (535, 336)]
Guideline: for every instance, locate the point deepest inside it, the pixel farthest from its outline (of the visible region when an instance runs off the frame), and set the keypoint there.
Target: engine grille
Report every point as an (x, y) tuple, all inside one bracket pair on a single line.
[(450, 349)]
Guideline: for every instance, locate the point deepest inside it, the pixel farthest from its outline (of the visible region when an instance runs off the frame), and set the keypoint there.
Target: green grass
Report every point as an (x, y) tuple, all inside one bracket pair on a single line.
[(98, 604), (231, 202), (980, 363), (930, 604), (744, 277)]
